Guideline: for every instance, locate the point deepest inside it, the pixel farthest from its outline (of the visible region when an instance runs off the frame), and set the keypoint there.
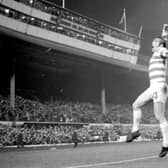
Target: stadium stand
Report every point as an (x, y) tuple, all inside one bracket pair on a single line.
[(54, 122), (32, 122)]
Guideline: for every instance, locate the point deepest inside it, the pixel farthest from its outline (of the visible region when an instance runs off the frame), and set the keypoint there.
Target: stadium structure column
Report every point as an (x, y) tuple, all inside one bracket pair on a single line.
[(103, 93), (12, 85)]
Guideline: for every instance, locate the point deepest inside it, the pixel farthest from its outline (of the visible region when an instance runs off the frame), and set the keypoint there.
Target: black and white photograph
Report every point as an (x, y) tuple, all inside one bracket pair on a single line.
[(83, 83)]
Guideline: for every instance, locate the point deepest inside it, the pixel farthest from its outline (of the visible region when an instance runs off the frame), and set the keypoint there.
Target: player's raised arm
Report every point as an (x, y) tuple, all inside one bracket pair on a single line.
[(165, 32), (164, 35)]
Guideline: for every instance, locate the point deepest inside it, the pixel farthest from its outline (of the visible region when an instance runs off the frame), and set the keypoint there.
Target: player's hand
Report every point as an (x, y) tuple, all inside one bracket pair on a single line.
[(165, 32)]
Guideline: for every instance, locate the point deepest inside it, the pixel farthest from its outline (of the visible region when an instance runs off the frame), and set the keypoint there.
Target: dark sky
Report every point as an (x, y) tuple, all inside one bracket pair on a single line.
[(151, 14)]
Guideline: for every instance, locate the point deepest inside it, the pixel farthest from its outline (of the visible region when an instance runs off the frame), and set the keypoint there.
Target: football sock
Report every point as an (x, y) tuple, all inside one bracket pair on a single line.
[(137, 114), (164, 130)]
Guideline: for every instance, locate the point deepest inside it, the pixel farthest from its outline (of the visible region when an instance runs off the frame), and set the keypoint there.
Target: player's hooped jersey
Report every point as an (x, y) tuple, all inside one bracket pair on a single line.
[(158, 66)]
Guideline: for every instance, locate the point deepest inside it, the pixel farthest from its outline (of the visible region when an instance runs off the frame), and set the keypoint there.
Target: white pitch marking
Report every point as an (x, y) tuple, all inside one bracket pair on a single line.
[(113, 163)]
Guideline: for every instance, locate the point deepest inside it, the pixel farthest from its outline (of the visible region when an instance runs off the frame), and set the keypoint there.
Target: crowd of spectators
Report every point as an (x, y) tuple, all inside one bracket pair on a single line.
[(32, 135), (56, 134), (59, 111), (53, 134), (67, 111), (67, 115)]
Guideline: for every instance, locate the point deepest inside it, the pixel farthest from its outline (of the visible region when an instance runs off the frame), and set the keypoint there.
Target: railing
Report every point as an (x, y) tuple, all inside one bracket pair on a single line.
[(74, 17), (56, 27)]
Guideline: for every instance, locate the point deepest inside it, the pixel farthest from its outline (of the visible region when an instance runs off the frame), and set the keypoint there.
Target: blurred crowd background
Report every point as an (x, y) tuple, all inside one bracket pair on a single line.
[(54, 122)]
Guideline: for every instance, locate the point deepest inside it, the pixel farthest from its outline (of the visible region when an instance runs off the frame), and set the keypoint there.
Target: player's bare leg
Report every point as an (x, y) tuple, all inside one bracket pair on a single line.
[(159, 110), (137, 115)]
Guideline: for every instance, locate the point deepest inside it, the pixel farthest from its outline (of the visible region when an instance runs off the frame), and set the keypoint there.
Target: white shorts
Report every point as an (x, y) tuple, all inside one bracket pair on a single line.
[(157, 92)]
